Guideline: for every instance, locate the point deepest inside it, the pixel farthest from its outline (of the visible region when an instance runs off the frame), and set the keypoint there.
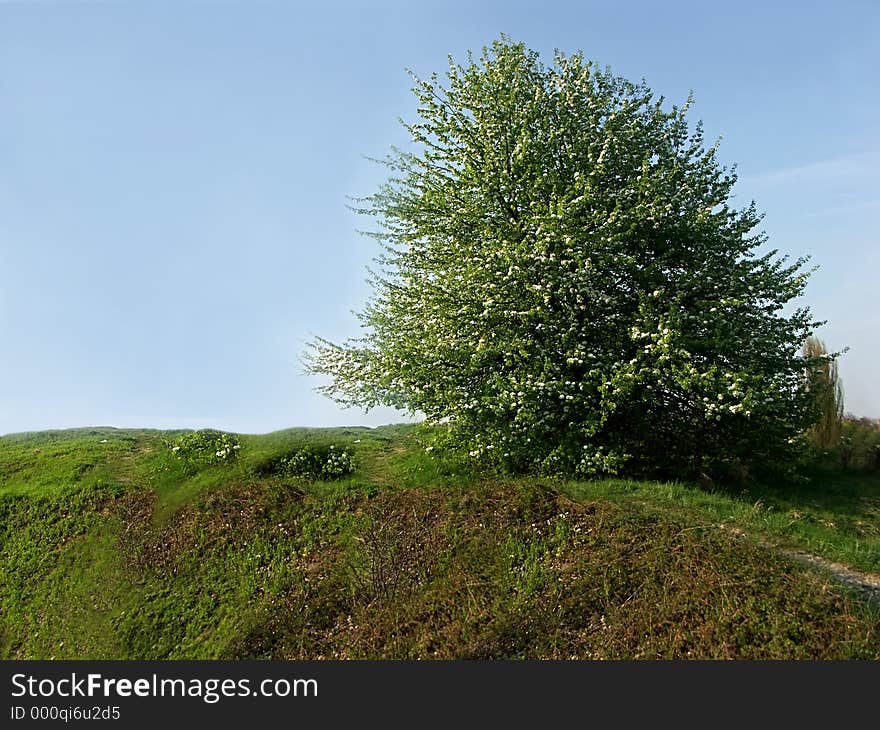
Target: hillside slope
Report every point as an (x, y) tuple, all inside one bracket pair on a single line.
[(112, 546)]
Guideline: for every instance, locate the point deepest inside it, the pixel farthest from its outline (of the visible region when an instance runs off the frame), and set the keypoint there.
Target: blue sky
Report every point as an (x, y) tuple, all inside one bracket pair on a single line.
[(173, 179)]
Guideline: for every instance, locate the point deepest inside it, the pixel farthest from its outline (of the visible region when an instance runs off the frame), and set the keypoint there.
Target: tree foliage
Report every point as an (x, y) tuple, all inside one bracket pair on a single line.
[(565, 283)]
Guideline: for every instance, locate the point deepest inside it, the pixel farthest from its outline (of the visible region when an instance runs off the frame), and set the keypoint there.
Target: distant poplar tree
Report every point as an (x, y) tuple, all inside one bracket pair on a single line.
[(824, 384), (565, 283)]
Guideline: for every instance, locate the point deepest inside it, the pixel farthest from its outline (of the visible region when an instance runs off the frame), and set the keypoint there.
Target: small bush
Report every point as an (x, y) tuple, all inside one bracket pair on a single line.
[(316, 462), (206, 447), (858, 449), (860, 444)]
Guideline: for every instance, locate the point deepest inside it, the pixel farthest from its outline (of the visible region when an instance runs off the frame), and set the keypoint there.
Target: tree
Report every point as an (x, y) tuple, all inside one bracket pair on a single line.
[(564, 282), (824, 383)]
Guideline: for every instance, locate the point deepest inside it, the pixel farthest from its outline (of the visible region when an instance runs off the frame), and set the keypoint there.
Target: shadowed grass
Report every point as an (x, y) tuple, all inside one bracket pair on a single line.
[(837, 517)]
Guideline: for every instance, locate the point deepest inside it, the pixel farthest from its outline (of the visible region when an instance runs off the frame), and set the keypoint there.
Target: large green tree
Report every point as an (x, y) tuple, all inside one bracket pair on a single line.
[(565, 283)]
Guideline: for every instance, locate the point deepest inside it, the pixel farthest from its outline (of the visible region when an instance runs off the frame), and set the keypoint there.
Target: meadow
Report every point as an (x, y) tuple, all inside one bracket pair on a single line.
[(365, 543)]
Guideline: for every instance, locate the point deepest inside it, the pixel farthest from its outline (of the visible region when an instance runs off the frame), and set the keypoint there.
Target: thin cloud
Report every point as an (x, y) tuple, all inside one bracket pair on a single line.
[(848, 208), (836, 168)]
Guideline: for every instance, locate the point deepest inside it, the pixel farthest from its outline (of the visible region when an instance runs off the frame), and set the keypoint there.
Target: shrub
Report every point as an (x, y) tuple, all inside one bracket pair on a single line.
[(316, 462), (860, 444), (206, 446)]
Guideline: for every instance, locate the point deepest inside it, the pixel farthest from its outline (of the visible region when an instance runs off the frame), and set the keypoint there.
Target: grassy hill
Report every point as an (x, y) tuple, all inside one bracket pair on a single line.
[(112, 546)]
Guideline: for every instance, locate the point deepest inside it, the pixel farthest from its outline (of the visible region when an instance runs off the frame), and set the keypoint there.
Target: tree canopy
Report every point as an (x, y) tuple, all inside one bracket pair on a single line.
[(565, 283)]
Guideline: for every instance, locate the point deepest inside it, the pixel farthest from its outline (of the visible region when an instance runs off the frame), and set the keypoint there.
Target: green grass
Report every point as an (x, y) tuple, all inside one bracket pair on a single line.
[(836, 516), (112, 547)]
